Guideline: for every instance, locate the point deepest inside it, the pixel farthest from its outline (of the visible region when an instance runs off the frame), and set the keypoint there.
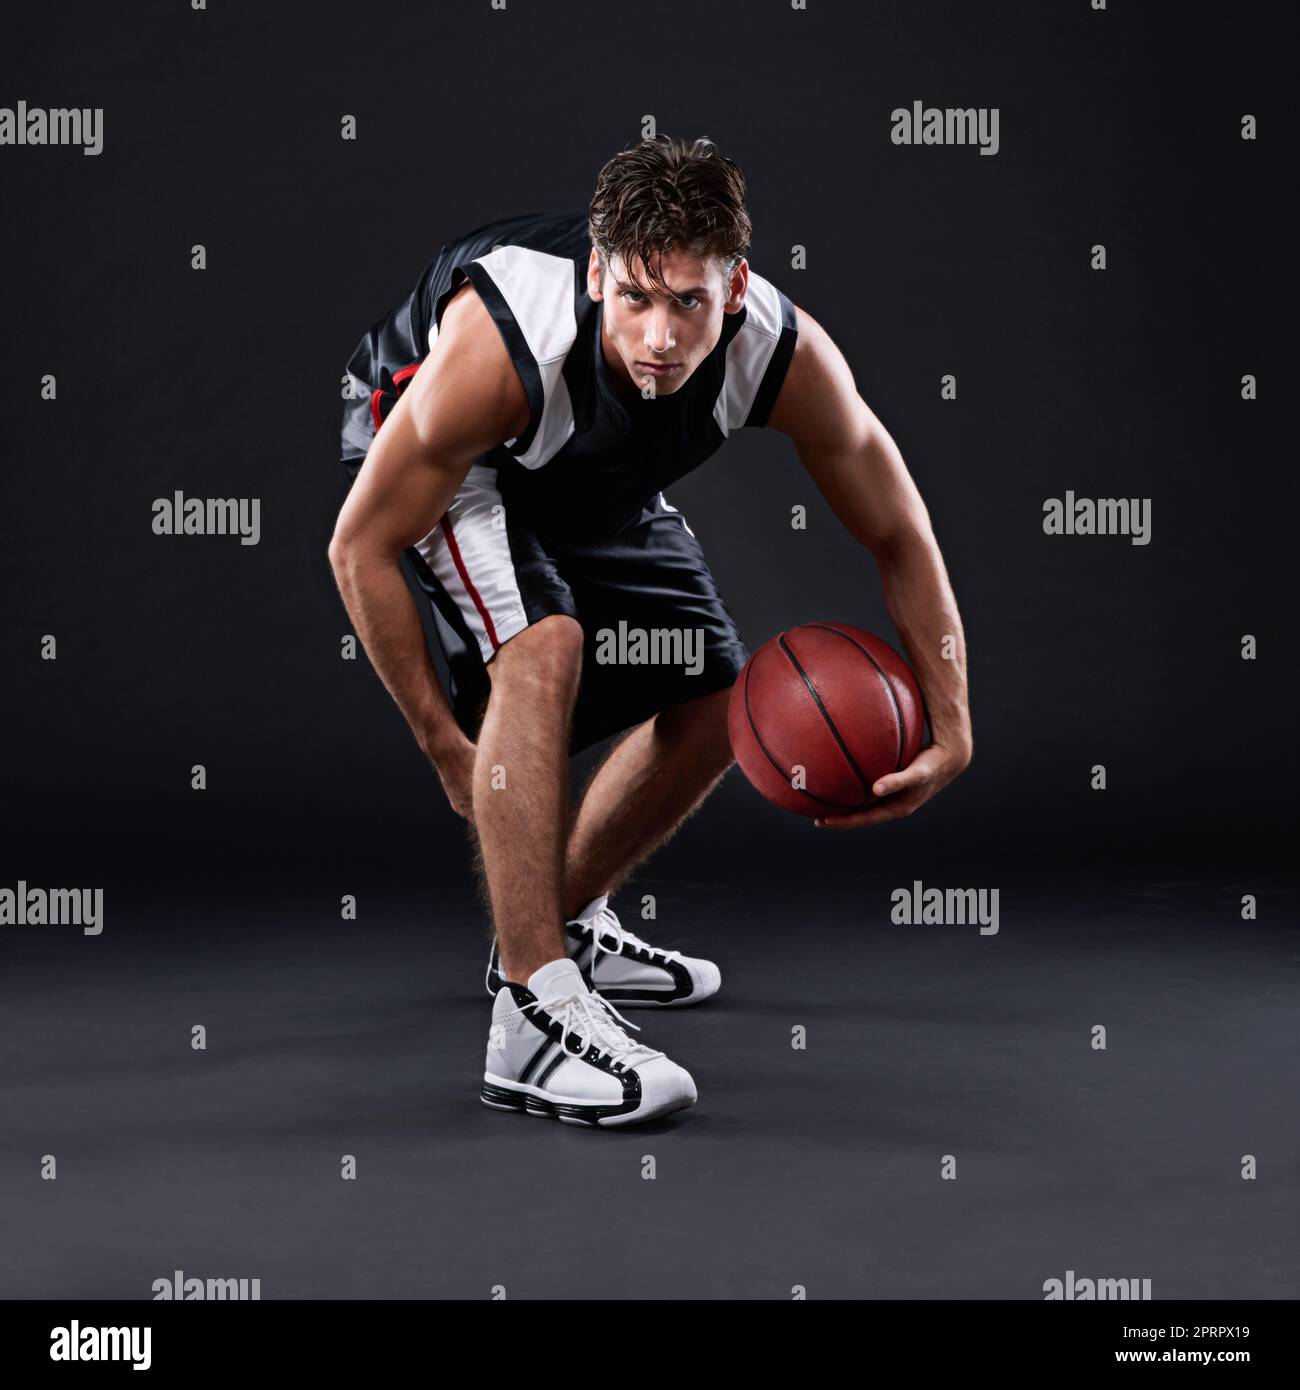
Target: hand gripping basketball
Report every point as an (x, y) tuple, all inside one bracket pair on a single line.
[(819, 713)]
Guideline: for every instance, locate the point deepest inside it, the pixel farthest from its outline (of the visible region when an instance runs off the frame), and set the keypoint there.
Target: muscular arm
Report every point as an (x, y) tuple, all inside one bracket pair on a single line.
[(860, 472), (465, 399)]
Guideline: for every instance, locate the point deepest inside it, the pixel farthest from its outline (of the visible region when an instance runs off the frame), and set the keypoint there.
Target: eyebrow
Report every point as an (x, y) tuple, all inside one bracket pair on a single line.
[(696, 290)]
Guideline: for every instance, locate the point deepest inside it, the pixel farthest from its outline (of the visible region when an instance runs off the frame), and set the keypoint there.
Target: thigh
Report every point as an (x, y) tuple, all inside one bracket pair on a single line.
[(486, 579)]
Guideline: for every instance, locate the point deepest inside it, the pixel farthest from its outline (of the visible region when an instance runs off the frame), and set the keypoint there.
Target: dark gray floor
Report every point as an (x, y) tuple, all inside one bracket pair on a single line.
[(818, 1168)]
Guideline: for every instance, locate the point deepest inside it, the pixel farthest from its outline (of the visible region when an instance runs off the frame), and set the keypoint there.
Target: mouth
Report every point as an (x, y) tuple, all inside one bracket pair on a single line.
[(657, 369)]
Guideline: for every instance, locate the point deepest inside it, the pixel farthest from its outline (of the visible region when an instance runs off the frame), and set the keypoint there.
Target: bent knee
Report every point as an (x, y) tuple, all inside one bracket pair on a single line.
[(548, 652), (702, 721)]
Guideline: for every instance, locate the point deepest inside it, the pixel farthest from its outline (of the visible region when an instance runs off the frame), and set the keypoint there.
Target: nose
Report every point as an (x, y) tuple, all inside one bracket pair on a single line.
[(659, 334)]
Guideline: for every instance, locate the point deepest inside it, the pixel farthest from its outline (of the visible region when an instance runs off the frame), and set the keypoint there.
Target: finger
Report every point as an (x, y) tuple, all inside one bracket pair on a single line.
[(878, 815), (892, 782)]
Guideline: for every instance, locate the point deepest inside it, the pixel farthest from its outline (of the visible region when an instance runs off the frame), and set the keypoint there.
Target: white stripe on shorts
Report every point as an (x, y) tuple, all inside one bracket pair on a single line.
[(469, 554)]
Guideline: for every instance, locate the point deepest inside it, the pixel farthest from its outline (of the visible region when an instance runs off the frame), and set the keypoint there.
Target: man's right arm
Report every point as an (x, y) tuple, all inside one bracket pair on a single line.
[(465, 399)]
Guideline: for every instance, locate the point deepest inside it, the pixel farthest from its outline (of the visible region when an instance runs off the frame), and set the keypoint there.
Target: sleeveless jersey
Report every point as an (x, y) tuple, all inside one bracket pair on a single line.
[(589, 459)]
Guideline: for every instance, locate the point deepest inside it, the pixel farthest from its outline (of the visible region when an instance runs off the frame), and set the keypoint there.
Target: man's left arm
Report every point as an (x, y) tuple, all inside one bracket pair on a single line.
[(861, 473)]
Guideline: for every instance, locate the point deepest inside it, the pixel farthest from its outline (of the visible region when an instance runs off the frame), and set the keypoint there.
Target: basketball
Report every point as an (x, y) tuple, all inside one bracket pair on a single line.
[(819, 713)]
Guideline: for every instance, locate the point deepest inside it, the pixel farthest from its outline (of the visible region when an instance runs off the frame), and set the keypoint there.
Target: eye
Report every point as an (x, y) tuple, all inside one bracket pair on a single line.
[(633, 296), (694, 301)]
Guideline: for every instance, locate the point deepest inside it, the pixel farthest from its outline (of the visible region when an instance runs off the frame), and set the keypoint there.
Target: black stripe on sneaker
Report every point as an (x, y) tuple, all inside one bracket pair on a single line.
[(546, 1071), (554, 1030), (530, 1065), (682, 987)]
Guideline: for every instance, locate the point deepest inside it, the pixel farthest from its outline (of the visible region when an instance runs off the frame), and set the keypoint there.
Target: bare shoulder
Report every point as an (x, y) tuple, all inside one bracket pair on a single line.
[(464, 312), (468, 380), (817, 397)]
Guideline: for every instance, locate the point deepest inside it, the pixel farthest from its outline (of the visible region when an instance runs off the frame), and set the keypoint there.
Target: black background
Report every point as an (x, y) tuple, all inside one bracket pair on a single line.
[(222, 128)]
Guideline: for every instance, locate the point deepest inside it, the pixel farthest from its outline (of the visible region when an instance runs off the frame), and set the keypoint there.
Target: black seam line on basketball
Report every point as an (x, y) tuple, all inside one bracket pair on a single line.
[(889, 687), (830, 723), (547, 1043), (776, 766)]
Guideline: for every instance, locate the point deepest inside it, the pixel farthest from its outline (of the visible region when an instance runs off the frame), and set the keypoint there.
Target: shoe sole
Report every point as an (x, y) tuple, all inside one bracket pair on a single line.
[(499, 1096)]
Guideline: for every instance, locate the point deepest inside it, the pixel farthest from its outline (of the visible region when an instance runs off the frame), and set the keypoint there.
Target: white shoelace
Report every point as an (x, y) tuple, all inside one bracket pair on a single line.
[(596, 1022), (606, 922)]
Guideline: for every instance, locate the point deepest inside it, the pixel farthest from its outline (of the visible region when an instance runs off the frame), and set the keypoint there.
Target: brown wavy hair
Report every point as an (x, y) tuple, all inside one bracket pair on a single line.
[(664, 195)]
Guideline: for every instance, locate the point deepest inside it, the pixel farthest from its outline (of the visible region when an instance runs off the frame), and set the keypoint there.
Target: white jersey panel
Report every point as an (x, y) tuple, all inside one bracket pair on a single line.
[(539, 289), (749, 354)]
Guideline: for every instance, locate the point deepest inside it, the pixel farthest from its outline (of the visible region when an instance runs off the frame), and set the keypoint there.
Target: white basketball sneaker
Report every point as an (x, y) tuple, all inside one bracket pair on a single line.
[(557, 1049), (625, 969)]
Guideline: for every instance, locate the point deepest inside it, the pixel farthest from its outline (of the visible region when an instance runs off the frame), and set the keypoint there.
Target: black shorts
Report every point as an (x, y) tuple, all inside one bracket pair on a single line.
[(656, 630)]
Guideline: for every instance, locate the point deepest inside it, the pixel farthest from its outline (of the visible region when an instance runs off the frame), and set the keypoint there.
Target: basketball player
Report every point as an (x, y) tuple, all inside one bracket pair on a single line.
[(515, 422)]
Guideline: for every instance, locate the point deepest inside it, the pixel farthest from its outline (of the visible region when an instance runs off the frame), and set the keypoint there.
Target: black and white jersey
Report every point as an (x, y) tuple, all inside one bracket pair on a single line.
[(588, 458)]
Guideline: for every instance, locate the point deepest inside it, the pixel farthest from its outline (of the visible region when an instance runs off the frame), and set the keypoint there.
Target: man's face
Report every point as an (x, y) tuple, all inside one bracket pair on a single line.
[(653, 341)]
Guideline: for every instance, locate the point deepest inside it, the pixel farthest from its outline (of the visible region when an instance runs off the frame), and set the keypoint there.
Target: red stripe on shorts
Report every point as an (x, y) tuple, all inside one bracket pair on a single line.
[(468, 583)]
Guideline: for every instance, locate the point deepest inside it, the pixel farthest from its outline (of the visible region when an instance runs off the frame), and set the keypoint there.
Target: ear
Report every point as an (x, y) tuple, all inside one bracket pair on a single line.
[(594, 276), (739, 285)]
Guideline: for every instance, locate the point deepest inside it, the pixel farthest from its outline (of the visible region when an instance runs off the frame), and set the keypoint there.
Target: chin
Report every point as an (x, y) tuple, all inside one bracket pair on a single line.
[(672, 385), (665, 386)]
